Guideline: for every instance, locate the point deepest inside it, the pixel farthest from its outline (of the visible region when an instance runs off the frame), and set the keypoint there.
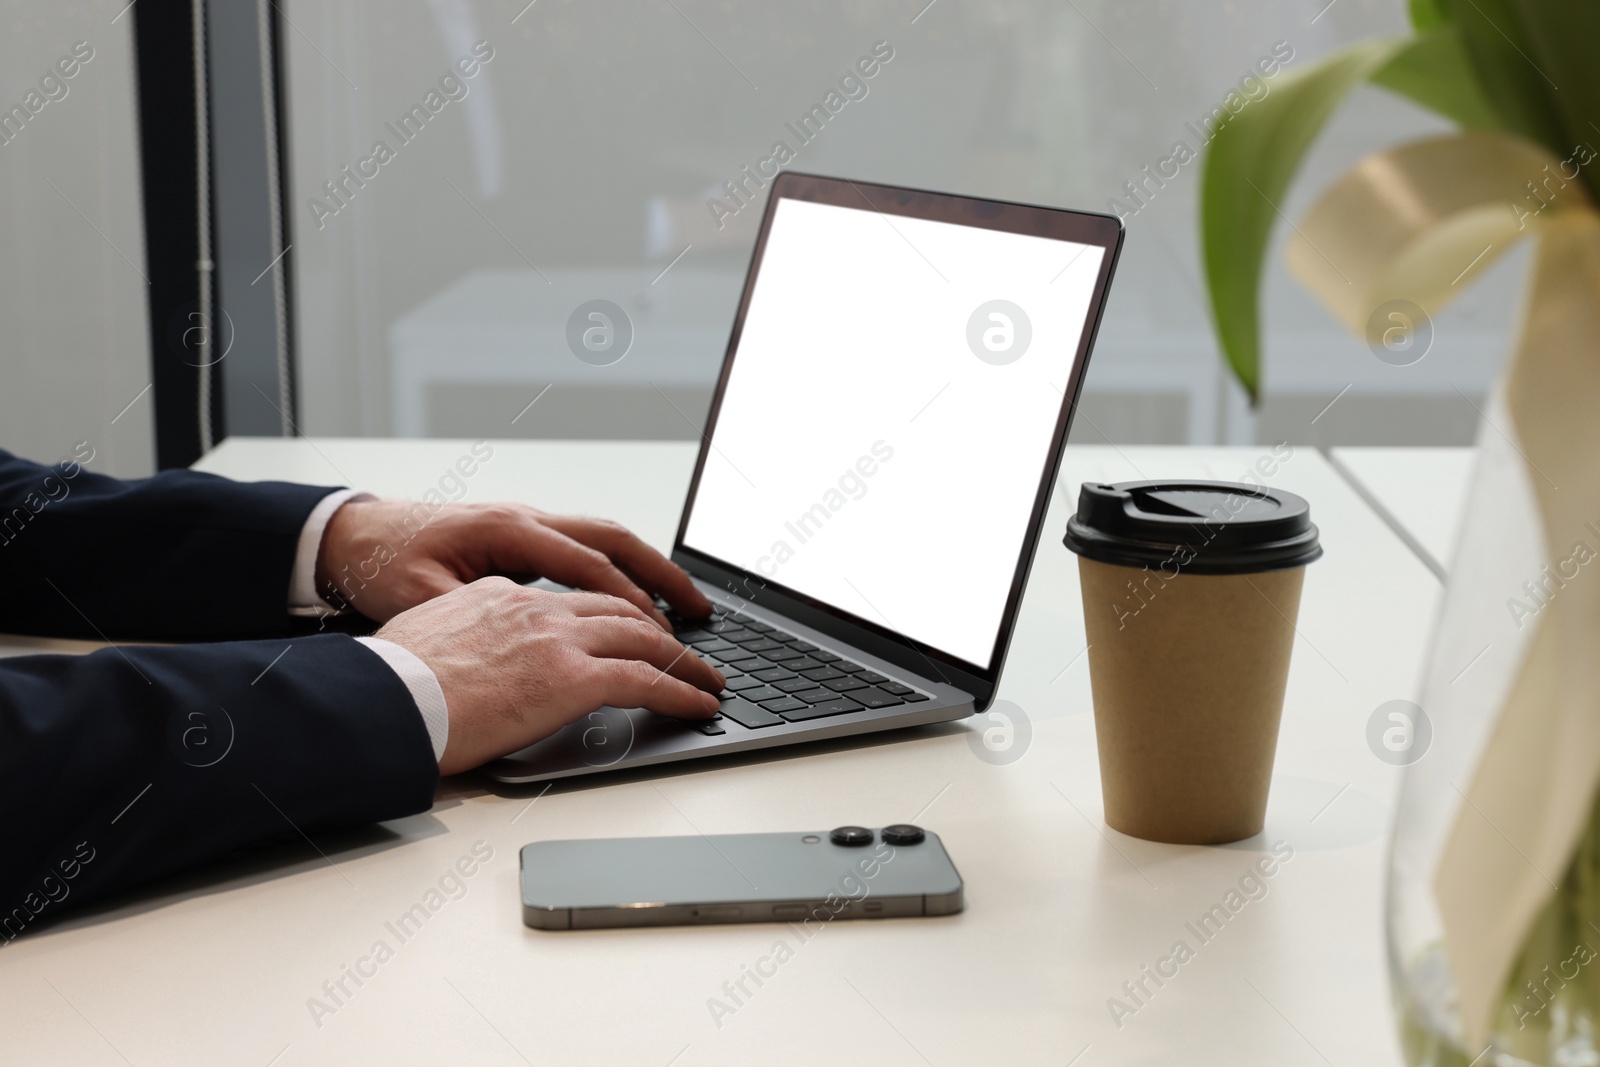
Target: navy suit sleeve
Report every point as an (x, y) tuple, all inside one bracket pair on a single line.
[(180, 556), (130, 763)]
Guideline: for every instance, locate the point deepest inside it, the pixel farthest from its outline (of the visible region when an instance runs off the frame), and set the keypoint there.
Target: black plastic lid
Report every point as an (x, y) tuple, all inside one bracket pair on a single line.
[(1198, 527)]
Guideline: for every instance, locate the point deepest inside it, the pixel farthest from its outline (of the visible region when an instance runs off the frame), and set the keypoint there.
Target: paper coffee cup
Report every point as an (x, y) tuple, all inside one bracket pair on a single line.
[(1190, 594)]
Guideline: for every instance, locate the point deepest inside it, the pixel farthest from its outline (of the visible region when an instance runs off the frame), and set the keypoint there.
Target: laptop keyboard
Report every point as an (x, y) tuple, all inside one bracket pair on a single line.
[(775, 677)]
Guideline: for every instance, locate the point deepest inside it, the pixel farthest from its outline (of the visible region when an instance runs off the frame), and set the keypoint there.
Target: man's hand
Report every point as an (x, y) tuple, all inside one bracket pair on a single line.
[(385, 556), (517, 664)]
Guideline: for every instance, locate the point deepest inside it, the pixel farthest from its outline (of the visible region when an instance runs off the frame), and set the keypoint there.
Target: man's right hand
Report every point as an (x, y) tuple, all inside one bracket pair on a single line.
[(517, 664)]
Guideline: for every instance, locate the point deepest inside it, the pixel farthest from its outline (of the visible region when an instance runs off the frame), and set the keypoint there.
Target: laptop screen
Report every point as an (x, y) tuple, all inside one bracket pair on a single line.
[(888, 415)]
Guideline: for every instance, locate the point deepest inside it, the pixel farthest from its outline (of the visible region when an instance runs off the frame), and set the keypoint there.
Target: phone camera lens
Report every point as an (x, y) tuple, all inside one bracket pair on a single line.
[(851, 836), (903, 833)]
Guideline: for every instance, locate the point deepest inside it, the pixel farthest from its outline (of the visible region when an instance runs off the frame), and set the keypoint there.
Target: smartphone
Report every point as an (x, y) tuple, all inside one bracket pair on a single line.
[(848, 873)]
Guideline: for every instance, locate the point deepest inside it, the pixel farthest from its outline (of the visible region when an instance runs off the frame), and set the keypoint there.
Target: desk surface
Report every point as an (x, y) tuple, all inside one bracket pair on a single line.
[(1420, 491), (221, 966)]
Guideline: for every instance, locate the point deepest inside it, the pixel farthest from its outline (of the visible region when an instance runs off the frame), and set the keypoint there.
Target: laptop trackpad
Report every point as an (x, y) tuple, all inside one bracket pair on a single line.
[(605, 737)]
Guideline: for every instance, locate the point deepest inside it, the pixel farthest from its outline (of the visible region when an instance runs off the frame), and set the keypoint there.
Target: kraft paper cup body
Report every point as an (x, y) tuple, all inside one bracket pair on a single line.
[(1188, 674)]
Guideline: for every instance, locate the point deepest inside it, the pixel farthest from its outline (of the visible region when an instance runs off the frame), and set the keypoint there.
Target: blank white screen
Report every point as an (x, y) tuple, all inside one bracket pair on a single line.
[(863, 454)]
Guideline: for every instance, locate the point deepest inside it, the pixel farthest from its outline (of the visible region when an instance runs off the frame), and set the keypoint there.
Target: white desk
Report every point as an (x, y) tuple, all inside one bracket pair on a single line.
[(1419, 491), (218, 968)]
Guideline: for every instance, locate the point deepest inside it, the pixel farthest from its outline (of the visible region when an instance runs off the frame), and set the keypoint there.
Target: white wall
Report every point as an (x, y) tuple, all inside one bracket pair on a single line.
[(74, 350)]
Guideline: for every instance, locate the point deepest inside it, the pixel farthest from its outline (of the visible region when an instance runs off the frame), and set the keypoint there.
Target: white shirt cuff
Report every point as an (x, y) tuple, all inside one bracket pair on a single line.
[(303, 596), (424, 686)]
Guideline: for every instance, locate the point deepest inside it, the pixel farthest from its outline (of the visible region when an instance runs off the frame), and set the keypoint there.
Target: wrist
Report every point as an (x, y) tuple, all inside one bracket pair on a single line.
[(305, 581), (334, 547)]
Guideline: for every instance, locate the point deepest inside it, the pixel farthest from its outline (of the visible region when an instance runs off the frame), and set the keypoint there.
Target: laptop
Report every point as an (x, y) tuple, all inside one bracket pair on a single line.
[(887, 427)]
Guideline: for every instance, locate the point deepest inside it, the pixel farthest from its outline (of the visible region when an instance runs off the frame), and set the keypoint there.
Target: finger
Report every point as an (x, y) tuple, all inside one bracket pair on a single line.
[(557, 556), (630, 683), (650, 569), (614, 637)]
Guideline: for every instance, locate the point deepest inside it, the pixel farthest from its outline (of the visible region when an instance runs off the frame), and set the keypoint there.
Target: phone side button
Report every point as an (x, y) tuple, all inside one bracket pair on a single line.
[(788, 911)]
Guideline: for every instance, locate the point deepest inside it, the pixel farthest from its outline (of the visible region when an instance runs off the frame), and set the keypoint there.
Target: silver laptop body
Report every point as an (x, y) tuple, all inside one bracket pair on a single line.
[(836, 616)]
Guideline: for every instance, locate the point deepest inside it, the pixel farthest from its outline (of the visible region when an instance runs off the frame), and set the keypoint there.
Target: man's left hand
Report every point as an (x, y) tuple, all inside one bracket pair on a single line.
[(384, 556)]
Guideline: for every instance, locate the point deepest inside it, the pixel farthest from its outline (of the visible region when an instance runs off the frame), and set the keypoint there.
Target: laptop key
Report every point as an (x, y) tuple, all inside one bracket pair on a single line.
[(784, 704), (779, 655), (772, 674), (815, 696), (844, 684), (913, 696), (709, 728), (870, 677), (824, 655), (745, 682), (794, 685), (873, 697), (804, 663), (896, 688), (803, 646), (758, 627), (836, 706), (822, 674), (748, 715), (710, 645), (757, 695), (766, 644)]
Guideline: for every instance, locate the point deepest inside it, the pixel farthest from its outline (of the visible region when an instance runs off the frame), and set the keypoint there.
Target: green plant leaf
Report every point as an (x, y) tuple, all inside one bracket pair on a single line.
[(1433, 70), (1247, 169), (1513, 72), (1426, 14), (1561, 37)]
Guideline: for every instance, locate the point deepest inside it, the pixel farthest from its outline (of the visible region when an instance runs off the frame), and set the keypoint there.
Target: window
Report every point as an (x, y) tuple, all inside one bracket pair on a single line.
[(466, 175)]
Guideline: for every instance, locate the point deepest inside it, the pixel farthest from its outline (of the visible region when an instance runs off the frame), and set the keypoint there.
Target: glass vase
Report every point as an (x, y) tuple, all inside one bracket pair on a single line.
[(1550, 1004)]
